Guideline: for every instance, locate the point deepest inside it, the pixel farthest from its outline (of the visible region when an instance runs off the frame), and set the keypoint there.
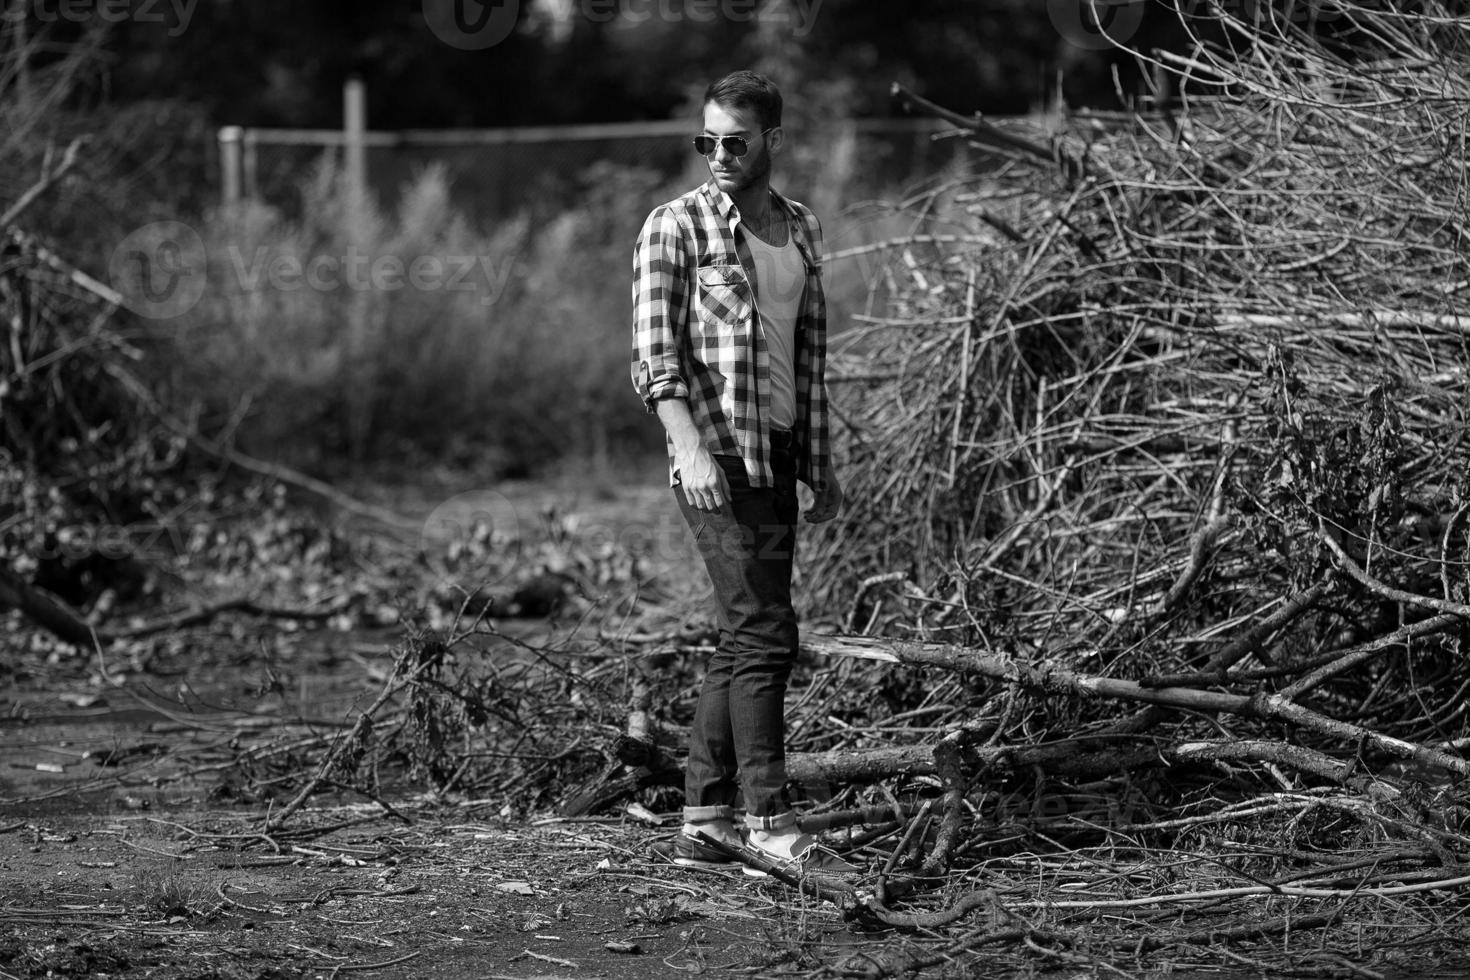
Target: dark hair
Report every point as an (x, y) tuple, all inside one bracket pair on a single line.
[(747, 90)]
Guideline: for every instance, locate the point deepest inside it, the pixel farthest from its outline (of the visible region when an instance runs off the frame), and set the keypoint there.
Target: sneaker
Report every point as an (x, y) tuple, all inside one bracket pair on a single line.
[(794, 852)]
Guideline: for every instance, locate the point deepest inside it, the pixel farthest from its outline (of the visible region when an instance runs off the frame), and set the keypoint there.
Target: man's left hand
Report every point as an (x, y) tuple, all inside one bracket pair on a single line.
[(827, 501)]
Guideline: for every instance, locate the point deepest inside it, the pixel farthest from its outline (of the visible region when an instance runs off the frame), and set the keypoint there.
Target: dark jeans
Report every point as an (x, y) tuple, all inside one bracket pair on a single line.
[(740, 723)]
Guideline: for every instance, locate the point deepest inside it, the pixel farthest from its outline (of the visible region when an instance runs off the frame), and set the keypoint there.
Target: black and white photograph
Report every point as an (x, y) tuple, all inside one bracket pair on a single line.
[(822, 489)]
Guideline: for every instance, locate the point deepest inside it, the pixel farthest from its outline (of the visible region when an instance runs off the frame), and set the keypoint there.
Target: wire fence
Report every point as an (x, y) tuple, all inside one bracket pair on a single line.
[(499, 173)]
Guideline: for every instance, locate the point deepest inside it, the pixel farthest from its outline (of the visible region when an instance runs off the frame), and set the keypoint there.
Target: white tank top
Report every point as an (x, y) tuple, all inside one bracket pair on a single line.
[(780, 280)]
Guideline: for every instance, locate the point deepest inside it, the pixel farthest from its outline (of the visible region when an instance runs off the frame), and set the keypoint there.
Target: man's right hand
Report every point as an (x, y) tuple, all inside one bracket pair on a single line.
[(703, 481)]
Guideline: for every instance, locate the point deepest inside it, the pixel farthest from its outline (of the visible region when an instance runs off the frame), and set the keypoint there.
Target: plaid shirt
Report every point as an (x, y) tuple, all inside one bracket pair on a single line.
[(696, 336)]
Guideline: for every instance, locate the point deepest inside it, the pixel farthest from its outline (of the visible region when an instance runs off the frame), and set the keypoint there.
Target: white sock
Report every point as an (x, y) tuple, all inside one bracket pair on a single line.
[(719, 828), (778, 843)]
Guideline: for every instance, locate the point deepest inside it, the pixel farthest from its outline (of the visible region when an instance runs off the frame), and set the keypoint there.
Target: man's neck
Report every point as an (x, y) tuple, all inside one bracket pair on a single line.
[(753, 202)]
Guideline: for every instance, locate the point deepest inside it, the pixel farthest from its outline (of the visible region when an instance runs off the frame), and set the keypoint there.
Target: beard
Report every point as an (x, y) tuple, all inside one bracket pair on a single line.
[(746, 177)]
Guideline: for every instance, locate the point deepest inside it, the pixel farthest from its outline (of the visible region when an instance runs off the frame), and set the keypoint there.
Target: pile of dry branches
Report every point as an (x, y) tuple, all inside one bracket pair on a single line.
[(104, 486), (1190, 408), (1157, 462), (79, 456)]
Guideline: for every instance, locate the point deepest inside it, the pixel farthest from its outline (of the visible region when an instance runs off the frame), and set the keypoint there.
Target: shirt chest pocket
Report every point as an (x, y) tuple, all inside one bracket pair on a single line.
[(724, 302)]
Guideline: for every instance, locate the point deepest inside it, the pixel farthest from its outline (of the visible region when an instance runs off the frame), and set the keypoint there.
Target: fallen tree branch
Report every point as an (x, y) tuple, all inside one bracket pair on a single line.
[(48, 178), (1217, 670), (1364, 652), (1248, 930), (1216, 894), (43, 609), (55, 616), (1078, 758), (839, 893), (204, 614), (421, 657), (986, 132), (1058, 681), (931, 920), (275, 471), (110, 298), (1203, 541), (1199, 553), (1357, 574), (1412, 319), (870, 967)]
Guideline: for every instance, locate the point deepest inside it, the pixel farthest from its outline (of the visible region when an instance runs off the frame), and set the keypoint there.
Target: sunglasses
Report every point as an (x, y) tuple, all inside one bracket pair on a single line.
[(736, 146)]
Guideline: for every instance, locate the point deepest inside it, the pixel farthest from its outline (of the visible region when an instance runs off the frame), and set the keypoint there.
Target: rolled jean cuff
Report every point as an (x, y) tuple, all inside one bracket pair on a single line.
[(778, 821), (704, 814)]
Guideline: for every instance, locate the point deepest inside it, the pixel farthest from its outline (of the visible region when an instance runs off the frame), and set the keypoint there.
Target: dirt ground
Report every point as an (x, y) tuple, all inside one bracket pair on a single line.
[(131, 844), (130, 848), (171, 895), (126, 851)]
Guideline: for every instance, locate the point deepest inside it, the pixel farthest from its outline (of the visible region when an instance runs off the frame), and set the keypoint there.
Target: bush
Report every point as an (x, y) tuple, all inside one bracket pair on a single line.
[(353, 332)]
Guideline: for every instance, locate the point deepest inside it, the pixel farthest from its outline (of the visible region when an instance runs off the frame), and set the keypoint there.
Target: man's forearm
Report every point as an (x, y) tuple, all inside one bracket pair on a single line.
[(679, 423), (703, 482)]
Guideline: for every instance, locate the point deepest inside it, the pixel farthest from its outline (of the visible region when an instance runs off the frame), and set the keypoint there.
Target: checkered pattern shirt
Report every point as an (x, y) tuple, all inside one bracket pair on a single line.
[(696, 332)]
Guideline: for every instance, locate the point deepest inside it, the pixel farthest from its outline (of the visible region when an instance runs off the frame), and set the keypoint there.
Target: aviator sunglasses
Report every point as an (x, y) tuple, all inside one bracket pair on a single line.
[(736, 146)]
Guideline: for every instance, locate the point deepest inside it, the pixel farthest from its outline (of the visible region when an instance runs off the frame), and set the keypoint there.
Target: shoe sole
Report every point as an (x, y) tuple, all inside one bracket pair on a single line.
[(795, 868), (669, 851), (687, 862)]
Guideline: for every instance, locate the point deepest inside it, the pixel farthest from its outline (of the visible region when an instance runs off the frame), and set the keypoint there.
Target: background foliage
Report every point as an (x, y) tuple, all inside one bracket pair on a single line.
[(270, 369)]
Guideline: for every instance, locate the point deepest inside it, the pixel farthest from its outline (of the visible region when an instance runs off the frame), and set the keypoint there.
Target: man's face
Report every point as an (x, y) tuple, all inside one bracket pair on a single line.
[(731, 173)]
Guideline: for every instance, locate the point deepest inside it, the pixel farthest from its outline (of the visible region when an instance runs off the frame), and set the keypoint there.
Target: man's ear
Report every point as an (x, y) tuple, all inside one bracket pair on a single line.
[(775, 138)]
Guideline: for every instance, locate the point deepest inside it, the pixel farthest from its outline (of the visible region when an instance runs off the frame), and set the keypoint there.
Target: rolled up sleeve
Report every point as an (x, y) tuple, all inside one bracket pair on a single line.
[(660, 308), (813, 367)]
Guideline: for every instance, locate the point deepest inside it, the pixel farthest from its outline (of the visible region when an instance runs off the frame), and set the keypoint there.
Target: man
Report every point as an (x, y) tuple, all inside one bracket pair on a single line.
[(729, 349)]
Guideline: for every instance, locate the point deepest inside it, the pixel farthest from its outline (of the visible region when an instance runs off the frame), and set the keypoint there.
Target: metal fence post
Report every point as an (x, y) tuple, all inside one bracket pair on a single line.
[(354, 131), (251, 156), (359, 377), (231, 139)]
